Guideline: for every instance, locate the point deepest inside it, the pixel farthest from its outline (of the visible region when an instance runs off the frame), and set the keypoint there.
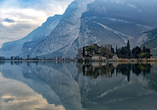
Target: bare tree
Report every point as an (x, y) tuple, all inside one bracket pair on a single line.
[(79, 53), (105, 52)]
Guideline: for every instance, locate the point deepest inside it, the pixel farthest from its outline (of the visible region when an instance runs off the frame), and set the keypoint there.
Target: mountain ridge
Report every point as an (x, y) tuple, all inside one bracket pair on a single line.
[(13, 48)]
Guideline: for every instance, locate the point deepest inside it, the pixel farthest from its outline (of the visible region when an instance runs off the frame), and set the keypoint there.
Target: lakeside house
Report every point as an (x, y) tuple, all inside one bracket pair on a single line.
[(95, 53)]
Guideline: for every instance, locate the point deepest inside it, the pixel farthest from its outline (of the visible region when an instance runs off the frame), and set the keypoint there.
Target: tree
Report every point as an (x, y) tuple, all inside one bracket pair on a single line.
[(105, 52), (148, 50), (128, 46), (116, 50), (136, 52), (79, 53), (12, 57), (28, 57), (145, 55), (36, 58), (91, 49), (144, 49), (17, 58), (112, 49), (124, 52)]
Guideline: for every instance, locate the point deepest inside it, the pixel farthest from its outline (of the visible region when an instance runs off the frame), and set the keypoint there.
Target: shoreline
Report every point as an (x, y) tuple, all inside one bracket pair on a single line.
[(38, 60), (137, 60), (120, 60), (125, 60)]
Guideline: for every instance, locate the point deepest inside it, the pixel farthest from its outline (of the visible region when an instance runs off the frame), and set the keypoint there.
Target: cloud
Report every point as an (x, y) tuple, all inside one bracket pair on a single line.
[(22, 97), (132, 6), (9, 20), (119, 1), (19, 17)]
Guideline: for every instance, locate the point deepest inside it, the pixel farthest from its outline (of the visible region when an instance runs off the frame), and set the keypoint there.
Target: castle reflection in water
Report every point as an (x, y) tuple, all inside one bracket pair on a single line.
[(108, 69)]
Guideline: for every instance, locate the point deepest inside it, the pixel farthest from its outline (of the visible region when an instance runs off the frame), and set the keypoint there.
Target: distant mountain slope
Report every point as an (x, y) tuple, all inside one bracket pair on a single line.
[(149, 40), (152, 44), (147, 36), (101, 21), (45, 30), (14, 48)]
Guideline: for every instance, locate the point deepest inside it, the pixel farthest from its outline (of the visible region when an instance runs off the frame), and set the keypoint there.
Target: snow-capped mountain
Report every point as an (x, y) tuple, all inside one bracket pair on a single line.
[(14, 48), (101, 21), (66, 32), (91, 21)]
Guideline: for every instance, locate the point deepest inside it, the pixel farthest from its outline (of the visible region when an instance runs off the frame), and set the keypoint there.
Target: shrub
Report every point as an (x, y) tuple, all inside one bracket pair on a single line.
[(145, 55)]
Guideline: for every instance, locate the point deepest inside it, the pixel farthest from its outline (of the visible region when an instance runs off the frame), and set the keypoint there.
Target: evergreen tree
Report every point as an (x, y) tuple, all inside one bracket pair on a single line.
[(28, 57), (148, 50), (136, 52), (116, 50), (112, 49), (144, 49), (128, 49), (128, 46)]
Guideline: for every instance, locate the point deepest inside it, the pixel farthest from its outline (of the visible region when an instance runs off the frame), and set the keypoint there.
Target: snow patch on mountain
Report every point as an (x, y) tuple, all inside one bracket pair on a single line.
[(123, 36)]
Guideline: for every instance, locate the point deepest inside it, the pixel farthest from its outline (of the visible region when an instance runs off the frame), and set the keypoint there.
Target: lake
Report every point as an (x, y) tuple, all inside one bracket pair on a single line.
[(73, 86)]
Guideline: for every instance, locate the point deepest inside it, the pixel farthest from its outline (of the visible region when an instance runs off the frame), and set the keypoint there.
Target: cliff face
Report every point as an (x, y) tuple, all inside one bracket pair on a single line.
[(149, 40), (147, 36), (22, 45), (66, 32)]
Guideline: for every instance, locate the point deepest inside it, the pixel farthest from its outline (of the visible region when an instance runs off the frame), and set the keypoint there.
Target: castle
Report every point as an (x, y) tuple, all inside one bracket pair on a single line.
[(94, 52)]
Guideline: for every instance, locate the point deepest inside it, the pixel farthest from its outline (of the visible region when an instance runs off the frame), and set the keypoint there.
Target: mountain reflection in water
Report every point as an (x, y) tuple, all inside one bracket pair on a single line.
[(73, 86)]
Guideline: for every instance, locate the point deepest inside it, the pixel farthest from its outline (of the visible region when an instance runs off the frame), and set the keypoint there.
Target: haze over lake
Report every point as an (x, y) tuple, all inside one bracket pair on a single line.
[(73, 86)]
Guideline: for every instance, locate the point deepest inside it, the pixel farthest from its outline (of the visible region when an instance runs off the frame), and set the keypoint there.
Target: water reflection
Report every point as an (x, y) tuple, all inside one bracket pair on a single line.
[(17, 93), (73, 86), (96, 69), (107, 69)]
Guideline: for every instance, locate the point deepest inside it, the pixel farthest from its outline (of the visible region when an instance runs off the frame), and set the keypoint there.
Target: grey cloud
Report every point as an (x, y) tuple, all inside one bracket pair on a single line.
[(1, 25), (9, 20), (22, 28), (8, 100), (15, 32)]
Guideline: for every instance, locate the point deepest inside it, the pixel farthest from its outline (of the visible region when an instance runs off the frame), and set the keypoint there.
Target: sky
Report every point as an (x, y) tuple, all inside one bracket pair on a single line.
[(19, 17)]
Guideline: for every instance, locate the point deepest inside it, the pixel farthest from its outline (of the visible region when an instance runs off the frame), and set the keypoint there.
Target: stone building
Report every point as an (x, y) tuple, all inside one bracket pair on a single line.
[(87, 53), (94, 52)]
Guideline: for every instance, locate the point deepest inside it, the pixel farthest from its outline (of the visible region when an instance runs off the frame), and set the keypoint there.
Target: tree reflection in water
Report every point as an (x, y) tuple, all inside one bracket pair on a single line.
[(107, 69)]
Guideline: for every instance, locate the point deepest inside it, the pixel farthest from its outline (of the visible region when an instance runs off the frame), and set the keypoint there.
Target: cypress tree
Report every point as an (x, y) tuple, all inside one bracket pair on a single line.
[(128, 46), (116, 50), (144, 49)]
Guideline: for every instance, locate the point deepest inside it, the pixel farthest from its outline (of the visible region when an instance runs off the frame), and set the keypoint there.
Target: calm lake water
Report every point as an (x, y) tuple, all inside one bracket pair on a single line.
[(73, 86)]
